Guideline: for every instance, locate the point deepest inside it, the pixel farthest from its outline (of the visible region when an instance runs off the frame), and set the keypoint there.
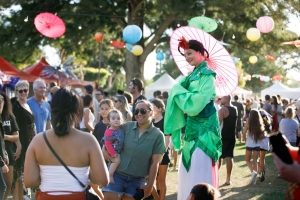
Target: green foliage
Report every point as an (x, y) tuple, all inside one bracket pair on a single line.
[(20, 40), (239, 68), (91, 74)]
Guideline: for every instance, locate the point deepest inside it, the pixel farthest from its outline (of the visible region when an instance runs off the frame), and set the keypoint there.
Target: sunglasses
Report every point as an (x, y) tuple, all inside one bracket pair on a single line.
[(25, 90), (116, 101), (142, 111)]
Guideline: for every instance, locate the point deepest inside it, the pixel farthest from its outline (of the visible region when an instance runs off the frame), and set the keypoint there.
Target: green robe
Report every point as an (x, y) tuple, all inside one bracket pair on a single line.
[(191, 95)]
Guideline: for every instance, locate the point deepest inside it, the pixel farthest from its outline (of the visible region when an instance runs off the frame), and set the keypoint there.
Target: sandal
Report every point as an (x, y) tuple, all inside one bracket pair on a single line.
[(262, 175)]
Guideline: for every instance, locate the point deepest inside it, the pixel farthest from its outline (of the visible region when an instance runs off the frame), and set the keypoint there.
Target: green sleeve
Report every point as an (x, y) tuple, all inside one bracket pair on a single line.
[(190, 101), (199, 93)]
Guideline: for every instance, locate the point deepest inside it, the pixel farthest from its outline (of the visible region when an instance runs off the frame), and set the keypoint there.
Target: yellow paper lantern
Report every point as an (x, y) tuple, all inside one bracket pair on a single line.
[(289, 75), (290, 62), (253, 34), (253, 59), (289, 82), (137, 50)]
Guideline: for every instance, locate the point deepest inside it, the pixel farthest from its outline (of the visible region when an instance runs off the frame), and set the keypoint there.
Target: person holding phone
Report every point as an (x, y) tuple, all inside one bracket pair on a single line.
[(289, 171)]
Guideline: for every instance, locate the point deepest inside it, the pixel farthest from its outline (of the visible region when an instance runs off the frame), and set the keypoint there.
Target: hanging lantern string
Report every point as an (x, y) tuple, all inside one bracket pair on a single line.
[(223, 36)]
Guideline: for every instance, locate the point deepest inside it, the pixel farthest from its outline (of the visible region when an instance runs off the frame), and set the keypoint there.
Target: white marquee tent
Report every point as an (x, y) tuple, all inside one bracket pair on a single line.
[(179, 78), (164, 83), (282, 90), (242, 92)]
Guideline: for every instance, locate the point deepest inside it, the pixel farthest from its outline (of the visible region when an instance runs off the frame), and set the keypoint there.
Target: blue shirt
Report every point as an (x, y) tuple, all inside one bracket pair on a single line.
[(41, 112)]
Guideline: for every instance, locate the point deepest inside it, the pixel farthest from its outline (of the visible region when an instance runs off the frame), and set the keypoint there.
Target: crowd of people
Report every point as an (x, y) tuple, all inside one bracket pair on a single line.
[(121, 146)]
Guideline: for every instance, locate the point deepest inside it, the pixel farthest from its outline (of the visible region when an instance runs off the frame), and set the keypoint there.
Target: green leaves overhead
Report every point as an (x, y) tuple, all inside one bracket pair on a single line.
[(20, 40)]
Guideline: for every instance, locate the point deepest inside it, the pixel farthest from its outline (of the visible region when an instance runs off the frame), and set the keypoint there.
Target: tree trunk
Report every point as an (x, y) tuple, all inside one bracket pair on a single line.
[(134, 65), (134, 68)]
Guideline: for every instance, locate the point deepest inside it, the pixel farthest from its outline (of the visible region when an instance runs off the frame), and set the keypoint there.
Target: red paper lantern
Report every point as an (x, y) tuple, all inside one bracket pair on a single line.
[(99, 37), (277, 77), (265, 24), (270, 58), (117, 44)]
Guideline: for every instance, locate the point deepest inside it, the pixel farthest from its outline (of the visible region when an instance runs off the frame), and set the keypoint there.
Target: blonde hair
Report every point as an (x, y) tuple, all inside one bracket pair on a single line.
[(124, 109), (290, 112)]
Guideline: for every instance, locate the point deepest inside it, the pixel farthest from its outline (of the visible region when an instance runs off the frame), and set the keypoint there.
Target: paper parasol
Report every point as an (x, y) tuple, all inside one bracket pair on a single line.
[(49, 25), (220, 60), (203, 23), (296, 43)]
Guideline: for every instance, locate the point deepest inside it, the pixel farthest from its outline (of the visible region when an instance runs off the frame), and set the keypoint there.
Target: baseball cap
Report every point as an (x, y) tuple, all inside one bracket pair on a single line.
[(54, 89), (89, 88)]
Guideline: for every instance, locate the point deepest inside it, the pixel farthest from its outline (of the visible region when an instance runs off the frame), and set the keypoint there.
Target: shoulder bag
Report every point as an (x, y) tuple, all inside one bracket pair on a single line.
[(88, 194)]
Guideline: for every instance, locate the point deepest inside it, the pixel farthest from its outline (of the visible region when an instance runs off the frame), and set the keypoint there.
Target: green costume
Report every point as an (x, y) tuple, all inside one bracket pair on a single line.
[(194, 95)]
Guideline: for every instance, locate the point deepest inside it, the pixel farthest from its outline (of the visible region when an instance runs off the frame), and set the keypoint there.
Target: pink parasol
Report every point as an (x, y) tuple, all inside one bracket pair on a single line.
[(219, 59), (296, 43), (49, 25)]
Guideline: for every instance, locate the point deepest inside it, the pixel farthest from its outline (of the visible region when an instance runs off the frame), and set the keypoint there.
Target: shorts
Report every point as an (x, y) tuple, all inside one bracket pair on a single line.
[(165, 159), (124, 185), (253, 148), (264, 144), (227, 148)]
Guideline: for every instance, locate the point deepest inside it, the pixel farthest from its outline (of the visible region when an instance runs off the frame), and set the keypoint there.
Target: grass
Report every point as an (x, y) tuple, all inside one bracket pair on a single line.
[(272, 188)]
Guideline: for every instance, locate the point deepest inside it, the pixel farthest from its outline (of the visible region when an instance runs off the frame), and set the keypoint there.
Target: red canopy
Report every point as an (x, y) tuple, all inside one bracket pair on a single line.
[(39, 66), (10, 70)]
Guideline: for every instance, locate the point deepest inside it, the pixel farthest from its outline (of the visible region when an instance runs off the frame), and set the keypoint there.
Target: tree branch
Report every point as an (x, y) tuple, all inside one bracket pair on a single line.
[(158, 32), (137, 8), (111, 81)]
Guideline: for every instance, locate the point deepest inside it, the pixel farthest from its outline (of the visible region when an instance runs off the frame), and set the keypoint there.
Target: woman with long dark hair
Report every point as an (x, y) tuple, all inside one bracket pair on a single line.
[(78, 150), (158, 122), (87, 121), (276, 113), (11, 137), (3, 156), (255, 128)]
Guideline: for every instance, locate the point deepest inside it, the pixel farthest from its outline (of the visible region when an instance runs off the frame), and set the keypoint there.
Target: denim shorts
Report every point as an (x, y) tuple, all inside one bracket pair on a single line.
[(253, 148), (124, 185)]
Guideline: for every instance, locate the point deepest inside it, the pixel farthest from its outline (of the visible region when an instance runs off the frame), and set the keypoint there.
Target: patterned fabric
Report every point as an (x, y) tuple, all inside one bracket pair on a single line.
[(192, 95), (293, 192)]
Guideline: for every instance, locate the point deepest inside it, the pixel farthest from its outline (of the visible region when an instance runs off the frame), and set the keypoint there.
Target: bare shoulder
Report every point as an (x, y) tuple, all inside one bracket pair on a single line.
[(37, 139), (223, 109)]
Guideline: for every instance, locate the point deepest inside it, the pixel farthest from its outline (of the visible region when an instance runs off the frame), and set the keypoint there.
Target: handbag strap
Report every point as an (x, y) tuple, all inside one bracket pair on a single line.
[(60, 160)]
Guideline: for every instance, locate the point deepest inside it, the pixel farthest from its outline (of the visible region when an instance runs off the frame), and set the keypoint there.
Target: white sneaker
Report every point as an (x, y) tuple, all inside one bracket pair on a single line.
[(253, 177)]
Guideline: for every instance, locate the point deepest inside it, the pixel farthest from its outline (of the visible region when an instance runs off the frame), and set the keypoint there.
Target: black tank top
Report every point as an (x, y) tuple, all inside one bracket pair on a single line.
[(229, 123)]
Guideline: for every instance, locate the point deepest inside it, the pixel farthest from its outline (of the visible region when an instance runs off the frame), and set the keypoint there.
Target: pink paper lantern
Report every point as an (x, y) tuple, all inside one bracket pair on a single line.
[(262, 78), (265, 24)]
